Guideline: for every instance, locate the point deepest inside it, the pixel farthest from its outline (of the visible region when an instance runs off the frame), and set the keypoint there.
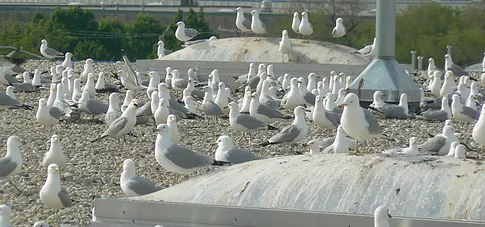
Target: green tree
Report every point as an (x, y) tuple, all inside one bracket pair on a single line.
[(142, 34), (74, 19), (90, 49), (37, 17), (114, 32)]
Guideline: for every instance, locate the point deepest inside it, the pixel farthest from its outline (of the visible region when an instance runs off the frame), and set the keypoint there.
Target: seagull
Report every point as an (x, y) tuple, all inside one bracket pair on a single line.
[(293, 133), (175, 158), (305, 27), (54, 154), (368, 50), (161, 51), (103, 87), (221, 98), (122, 125), (435, 85), (11, 163), (8, 102), (162, 111), (381, 215), (341, 144), (257, 26), (391, 110), (41, 224), (228, 153), (49, 52), (91, 106), (263, 112), (114, 110), (241, 22), (438, 115), (178, 83), (339, 29), (133, 185), (440, 144), (245, 122), (449, 85), (153, 83), (60, 102), (293, 98), (295, 24), (461, 112), (478, 133), (432, 67), (128, 75), (357, 122), (285, 46), (174, 132), (47, 115), (449, 65), (52, 194), (184, 34), (26, 85), (323, 118), (208, 105), (67, 61), (412, 149)]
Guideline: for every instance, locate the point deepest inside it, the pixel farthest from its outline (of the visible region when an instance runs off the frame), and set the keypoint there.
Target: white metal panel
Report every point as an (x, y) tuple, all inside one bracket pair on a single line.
[(124, 212)]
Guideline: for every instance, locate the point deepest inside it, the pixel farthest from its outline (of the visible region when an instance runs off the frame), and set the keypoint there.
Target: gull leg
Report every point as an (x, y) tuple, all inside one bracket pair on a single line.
[(249, 135), (357, 146)]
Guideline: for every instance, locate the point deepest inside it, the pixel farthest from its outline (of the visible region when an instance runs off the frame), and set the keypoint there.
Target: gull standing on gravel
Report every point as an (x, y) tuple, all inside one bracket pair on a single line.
[(7, 79), (103, 87), (305, 27), (449, 86), (438, 115), (478, 133), (285, 46), (266, 96), (11, 163), (122, 125), (8, 102), (10, 92), (90, 86), (153, 83), (341, 144), (5, 214), (178, 83), (52, 194), (88, 68), (175, 158), (244, 122), (26, 85), (394, 111), (241, 22), (308, 97), (226, 152), (162, 111), (435, 85), (208, 106), (263, 112), (184, 34), (460, 151), (114, 110), (221, 97), (174, 132), (357, 122), (440, 144), (133, 185), (293, 133), (412, 149), (54, 154), (67, 61), (295, 24), (449, 65), (91, 106), (461, 112), (257, 26), (47, 115), (451, 153), (246, 101), (323, 118), (432, 67), (49, 52), (60, 102), (339, 29), (293, 98)]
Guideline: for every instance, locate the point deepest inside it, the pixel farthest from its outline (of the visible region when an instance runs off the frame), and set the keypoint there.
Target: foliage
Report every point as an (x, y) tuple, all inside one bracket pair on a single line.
[(142, 34), (112, 27), (90, 49)]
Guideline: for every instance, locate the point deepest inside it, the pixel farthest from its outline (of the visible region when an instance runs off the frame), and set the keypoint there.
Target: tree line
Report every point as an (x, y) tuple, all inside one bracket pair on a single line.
[(76, 30)]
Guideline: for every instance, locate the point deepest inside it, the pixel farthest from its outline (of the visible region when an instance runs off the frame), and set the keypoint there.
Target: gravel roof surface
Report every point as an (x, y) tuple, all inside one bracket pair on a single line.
[(93, 169)]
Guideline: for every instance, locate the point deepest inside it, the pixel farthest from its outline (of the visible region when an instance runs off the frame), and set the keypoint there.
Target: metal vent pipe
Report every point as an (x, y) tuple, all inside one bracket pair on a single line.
[(386, 29)]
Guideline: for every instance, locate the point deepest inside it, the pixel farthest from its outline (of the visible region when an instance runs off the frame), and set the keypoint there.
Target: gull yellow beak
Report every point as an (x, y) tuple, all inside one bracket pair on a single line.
[(226, 107), (214, 143), (299, 82), (342, 105), (389, 215), (57, 169)]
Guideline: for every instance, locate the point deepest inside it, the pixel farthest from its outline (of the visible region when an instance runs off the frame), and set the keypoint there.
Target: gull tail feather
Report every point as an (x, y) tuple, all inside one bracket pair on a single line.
[(272, 128), (100, 138), (220, 163)]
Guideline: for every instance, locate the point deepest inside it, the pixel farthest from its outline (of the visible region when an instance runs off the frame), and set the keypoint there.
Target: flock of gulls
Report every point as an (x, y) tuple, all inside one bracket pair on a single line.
[(267, 97)]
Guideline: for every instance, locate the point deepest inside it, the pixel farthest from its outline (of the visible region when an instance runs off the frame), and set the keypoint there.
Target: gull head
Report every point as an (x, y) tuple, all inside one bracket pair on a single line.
[(340, 20), (13, 141), (152, 74), (68, 55), (377, 95), (254, 12), (89, 61), (340, 130), (41, 224), (134, 103), (296, 15), (160, 43), (90, 76), (129, 166), (294, 81), (350, 99), (233, 106), (413, 141), (299, 111), (162, 102), (175, 73), (221, 85), (430, 60), (54, 139), (168, 69), (224, 141), (239, 9), (382, 213), (254, 95), (180, 24), (53, 169), (43, 42), (284, 33), (43, 102), (304, 14), (163, 128), (171, 118)]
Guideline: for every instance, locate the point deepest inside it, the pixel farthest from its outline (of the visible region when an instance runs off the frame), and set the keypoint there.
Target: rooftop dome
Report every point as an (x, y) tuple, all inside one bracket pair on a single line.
[(250, 49)]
